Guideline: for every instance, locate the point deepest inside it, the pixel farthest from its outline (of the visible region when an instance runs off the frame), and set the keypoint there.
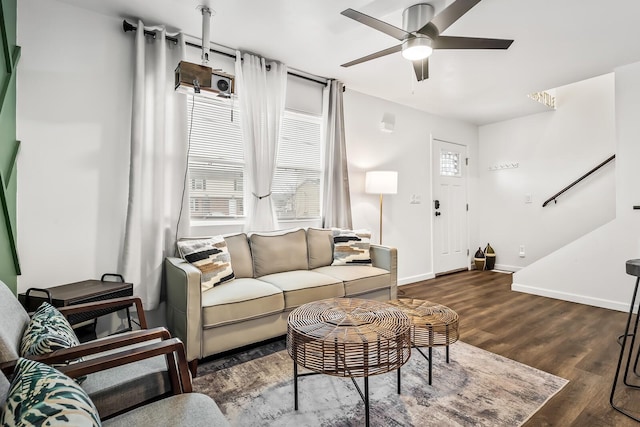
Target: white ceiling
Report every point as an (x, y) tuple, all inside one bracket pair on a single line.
[(557, 42)]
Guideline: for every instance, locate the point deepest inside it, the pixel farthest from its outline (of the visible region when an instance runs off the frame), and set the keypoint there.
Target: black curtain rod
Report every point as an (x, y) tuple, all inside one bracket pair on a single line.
[(130, 27)]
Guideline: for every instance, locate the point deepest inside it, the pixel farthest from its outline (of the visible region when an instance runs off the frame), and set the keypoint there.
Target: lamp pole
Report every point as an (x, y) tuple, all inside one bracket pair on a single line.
[(380, 238), (381, 182)]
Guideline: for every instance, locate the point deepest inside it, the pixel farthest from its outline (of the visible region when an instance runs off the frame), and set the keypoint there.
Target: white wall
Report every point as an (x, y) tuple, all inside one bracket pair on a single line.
[(406, 150), (591, 270), (74, 109), (74, 98), (552, 149)]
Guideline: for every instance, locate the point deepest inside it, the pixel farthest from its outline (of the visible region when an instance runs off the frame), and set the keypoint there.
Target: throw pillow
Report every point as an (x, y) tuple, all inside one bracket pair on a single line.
[(211, 257), (41, 395), (351, 247), (48, 331)]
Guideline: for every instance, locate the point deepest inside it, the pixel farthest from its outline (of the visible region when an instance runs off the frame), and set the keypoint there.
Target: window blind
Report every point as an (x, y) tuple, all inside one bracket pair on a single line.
[(216, 163), (216, 159)]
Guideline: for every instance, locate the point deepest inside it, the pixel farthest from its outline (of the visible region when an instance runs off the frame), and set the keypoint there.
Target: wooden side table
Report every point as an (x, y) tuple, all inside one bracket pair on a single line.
[(348, 337), (79, 293), (432, 325)]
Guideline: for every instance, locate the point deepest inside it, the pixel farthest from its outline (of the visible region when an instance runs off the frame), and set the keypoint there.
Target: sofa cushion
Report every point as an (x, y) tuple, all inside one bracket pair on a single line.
[(129, 385), (276, 253), (4, 388), (188, 409), (320, 246), (211, 257), (358, 279), (238, 246), (351, 247), (42, 395), (241, 300), (14, 320), (303, 286)]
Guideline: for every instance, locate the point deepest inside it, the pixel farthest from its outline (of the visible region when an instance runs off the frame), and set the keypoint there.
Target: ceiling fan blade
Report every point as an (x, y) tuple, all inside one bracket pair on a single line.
[(451, 42), (452, 13), (421, 67), (429, 30), (376, 24), (379, 54)]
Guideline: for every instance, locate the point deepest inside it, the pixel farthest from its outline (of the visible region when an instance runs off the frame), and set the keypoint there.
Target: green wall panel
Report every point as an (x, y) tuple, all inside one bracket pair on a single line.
[(9, 262)]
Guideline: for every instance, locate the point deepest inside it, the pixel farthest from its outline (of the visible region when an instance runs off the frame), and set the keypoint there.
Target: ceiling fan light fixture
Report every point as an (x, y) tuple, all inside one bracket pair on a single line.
[(417, 48)]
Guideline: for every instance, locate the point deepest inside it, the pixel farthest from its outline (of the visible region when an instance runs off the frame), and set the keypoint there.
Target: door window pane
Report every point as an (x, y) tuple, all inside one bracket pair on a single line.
[(449, 163)]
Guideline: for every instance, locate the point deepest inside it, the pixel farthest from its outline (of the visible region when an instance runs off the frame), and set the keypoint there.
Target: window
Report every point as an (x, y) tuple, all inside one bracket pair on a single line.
[(216, 160), (449, 163), (297, 181), (216, 163)]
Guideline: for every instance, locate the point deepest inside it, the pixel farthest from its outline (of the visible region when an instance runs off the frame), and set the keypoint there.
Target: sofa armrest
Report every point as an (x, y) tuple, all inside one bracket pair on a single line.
[(386, 257), (184, 304)]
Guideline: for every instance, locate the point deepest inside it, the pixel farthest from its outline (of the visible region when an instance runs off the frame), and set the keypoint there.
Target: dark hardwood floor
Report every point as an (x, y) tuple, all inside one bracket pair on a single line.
[(573, 341)]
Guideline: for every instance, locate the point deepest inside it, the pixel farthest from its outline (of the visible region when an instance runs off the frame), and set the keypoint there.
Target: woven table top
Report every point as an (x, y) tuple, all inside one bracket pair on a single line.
[(432, 324), (349, 337)]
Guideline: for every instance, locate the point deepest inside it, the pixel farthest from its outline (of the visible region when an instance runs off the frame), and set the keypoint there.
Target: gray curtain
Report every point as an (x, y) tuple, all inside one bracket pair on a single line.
[(336, 201)]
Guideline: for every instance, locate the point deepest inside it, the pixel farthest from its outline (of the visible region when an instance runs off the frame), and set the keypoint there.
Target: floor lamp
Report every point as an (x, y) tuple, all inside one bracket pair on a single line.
[(381, 182)]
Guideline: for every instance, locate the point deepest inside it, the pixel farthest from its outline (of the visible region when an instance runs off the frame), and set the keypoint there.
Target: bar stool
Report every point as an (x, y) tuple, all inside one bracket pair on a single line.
[(633, 269)]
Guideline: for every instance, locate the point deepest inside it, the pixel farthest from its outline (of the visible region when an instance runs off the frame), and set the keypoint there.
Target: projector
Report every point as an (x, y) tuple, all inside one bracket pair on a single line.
[(222, 82)]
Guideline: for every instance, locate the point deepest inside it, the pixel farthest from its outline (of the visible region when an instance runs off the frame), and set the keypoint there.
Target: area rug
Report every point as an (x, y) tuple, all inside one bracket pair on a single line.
[(477, 388)]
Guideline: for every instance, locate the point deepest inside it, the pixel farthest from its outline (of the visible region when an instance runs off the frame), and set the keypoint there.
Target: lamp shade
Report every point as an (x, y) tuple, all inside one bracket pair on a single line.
[(381, 182)]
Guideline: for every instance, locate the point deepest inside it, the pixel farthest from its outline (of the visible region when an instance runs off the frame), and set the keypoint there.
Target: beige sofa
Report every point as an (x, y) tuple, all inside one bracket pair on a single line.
[(273, 275)]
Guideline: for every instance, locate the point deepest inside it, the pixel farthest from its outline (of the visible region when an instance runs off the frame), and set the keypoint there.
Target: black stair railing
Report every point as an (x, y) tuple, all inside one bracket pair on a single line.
[(555, 196)]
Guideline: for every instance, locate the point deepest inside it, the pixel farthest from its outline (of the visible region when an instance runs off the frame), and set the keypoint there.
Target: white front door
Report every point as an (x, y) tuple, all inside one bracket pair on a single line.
[(449, 206)]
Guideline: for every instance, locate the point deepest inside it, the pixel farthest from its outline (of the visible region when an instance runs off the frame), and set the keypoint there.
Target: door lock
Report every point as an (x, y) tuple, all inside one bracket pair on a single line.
[(438, 213)]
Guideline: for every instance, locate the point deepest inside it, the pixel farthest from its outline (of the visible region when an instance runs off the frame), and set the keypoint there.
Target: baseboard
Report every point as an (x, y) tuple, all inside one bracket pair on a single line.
[(508, 267), (413, 279), (566, 296)]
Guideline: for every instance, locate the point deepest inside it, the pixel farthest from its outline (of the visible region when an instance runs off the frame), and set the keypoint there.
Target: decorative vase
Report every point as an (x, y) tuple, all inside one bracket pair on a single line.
[(479, 259), (490, 257)]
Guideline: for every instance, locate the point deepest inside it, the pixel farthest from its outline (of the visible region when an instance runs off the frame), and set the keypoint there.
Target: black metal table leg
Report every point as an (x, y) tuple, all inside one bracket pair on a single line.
[(366, 400), (430, 363), (633, 268), (295, 386), (129, 319), (447, 354), (399, 376), (429, 358)]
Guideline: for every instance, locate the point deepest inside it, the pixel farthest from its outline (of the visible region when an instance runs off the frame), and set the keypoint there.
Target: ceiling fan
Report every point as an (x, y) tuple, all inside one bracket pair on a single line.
[(421, 34)]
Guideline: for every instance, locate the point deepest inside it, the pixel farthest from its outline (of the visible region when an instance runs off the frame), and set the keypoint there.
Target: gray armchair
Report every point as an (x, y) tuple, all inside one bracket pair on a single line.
[(181, 408), (111, 390)]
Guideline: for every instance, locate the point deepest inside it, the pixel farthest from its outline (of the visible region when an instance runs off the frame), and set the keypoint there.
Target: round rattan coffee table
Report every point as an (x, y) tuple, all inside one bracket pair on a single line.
[(432, 325), (348, 337)]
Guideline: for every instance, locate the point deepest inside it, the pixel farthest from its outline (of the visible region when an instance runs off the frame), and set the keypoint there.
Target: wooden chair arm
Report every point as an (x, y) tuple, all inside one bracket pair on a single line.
[(178, 372), (108, 303), (8, 367), (100, 346)]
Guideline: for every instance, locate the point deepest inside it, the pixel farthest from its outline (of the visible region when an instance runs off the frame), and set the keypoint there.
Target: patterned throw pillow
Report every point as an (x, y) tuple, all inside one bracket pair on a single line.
[(351, 247), (40, 395), (48, 331), (211, 257)]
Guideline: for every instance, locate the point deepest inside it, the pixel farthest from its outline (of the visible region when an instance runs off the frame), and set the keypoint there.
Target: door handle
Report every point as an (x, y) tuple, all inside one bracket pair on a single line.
[(438, 213), (436, 204)]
